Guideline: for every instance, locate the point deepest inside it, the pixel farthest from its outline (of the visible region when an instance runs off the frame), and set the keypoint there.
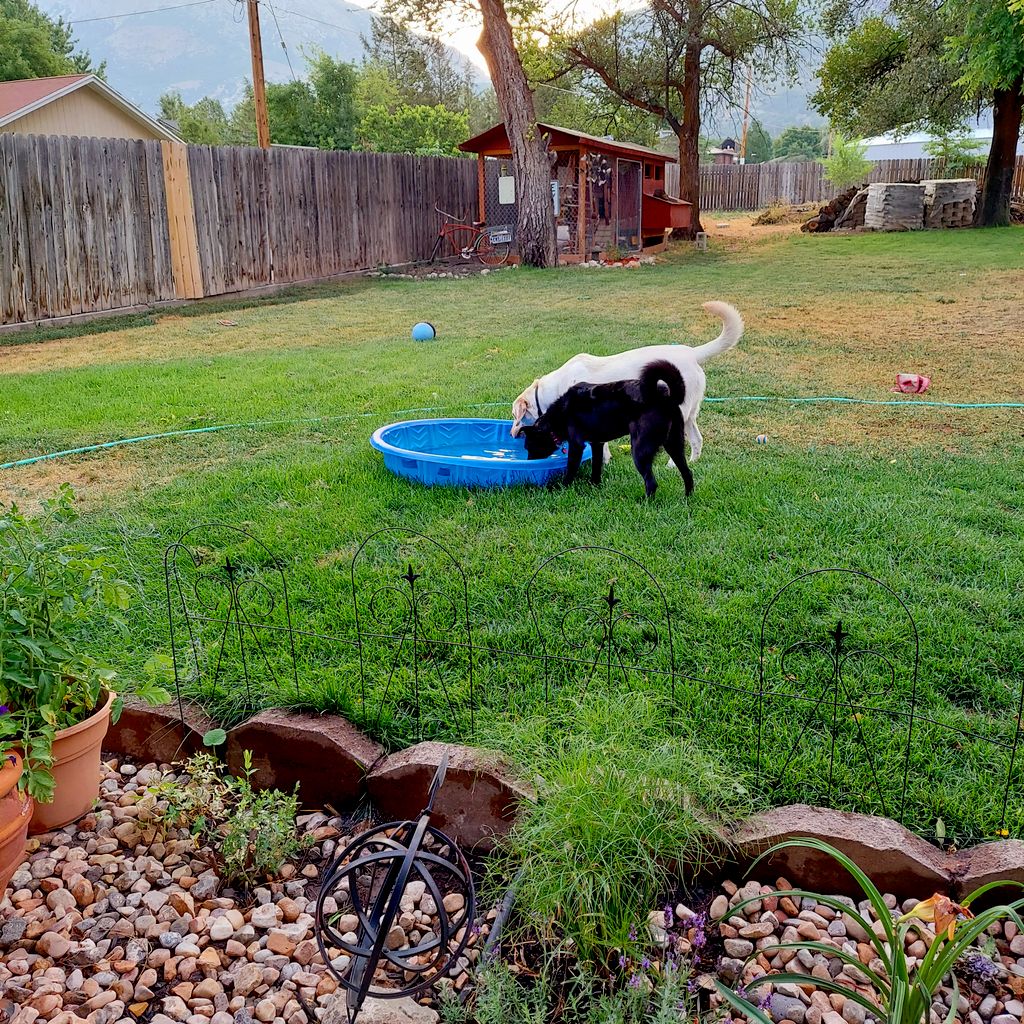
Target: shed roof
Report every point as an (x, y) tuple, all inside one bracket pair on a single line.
[(22, 96), (496, 137)]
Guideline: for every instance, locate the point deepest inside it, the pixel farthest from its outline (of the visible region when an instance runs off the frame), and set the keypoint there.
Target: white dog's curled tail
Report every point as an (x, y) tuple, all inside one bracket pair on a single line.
[(732, 331)]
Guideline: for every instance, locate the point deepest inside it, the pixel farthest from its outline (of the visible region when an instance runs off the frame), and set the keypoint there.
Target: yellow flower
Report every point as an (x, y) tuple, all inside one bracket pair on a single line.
[(940, 911)]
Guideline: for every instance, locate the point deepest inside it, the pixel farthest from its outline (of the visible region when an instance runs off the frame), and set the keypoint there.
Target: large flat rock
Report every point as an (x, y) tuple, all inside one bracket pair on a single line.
[(163, 734), (895, 859), (325, 754), (478, 801)]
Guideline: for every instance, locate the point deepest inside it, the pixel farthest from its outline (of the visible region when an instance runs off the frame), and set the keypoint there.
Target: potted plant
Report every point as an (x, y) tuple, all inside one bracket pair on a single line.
[(59, 699), (15, 814)]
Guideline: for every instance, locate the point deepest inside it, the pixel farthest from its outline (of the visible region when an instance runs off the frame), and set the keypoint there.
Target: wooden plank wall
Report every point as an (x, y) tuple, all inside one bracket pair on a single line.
[(88, 225), (83, 226), (298, 215), (755, 186)]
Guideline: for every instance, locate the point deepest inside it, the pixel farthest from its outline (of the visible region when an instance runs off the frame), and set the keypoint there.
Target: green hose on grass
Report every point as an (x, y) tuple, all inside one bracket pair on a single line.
[(88, 448)]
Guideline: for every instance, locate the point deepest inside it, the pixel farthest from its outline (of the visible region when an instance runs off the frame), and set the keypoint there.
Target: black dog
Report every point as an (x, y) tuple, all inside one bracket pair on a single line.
[(647, 409)]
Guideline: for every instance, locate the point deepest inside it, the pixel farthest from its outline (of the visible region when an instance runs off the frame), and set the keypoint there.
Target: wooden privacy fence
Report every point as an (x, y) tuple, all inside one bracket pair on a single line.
[(755, 186), (88, 225)]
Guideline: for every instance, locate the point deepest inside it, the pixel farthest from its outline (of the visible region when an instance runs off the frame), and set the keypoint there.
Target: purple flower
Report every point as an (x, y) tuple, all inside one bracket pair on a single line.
[(4, 709), (623, 961), (669, 916), (632, 934), (634, 981), (645, 964)]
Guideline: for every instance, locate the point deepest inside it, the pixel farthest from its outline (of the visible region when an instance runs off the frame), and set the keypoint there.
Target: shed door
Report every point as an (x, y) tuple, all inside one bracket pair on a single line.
[(628, 192)]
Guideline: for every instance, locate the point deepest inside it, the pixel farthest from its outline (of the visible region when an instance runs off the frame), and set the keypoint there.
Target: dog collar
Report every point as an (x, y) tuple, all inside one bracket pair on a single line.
[(536, 400)]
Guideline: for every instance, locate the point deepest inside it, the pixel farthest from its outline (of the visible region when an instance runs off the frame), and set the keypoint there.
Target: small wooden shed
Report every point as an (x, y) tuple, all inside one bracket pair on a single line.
[(609, 197)]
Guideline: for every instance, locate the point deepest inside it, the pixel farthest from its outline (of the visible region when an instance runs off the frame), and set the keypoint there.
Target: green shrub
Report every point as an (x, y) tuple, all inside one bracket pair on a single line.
[(847, 165), (957, 150), (250, 834), (621, 804)]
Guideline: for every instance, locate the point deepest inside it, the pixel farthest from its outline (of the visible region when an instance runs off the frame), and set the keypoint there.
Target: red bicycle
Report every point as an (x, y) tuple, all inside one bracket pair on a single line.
[(490, 246)]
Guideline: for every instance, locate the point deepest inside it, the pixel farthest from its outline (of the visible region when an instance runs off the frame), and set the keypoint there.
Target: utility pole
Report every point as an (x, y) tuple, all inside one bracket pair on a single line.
[(746, 114), (259, 85)]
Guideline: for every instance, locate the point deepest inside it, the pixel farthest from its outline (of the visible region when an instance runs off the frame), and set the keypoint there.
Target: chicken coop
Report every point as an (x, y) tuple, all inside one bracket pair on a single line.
[(609, 197)]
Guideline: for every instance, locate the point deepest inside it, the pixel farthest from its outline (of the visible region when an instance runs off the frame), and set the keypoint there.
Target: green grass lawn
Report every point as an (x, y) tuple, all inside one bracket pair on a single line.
[(926, 499)]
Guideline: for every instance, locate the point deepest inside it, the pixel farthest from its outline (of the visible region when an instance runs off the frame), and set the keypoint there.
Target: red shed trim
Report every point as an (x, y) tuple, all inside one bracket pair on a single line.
[(494, 142)]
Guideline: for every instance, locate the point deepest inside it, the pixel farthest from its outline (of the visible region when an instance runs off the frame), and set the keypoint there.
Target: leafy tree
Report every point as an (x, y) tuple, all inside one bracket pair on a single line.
[(375, 88), (204, 122), (426, 131), (292, 112), (916, 63), (333, 84), (671, 57), (320, 112), (803, 143), (34, 45), (847, 165), (421, 66), (956, 149), (759, 143)]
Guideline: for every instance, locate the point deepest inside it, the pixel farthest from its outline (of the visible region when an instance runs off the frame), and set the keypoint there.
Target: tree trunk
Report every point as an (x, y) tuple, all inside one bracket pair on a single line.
[(535, 221), (689, 135), (994, 211)]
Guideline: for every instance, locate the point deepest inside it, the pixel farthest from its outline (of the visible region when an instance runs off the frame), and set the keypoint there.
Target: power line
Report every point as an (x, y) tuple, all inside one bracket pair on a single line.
[(287, 55), (132, 14), (320, 21)]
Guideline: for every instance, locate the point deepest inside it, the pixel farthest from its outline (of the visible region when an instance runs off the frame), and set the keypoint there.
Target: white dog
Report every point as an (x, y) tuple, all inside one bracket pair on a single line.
[(627, 365)]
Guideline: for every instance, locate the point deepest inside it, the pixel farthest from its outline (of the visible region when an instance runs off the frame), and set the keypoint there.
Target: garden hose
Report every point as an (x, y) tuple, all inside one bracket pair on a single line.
[(89, 448)]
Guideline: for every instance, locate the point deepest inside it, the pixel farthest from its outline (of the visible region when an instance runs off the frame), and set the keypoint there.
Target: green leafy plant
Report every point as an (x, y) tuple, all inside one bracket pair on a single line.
[(956, 149), (250, 834), (903, 994), (573, 994), (52, 589), (621, 804), (847, 165)]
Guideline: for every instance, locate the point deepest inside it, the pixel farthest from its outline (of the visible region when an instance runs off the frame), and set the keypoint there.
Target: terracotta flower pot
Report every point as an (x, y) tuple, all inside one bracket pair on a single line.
[(76, 771), (15, 814)]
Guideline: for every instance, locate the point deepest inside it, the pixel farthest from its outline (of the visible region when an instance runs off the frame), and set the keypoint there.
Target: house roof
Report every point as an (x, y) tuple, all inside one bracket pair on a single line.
[(21, 97), (496, 137)]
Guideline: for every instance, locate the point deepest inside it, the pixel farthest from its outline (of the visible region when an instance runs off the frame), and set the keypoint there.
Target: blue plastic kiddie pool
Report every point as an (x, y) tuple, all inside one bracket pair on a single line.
[(464, 453)]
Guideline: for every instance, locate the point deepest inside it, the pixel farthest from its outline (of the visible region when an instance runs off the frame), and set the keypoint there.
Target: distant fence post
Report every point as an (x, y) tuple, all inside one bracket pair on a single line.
[(181, 222)]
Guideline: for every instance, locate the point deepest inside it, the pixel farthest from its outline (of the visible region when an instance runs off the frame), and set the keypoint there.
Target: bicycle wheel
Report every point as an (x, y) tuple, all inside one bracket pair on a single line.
[(491, 254)]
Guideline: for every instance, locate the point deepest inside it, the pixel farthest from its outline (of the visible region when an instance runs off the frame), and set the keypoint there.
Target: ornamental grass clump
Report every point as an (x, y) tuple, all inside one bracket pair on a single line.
[(624, 808), (904, 990)]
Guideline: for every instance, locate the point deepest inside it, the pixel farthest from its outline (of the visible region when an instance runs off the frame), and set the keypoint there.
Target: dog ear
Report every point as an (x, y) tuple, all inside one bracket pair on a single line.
[(520, 410)]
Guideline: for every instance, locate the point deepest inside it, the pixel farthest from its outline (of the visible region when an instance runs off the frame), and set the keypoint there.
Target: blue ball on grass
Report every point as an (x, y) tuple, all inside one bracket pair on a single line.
[(423, 332)]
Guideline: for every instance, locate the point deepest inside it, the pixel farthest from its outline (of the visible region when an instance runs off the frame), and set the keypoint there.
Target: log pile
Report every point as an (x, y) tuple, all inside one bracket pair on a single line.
[(825, 219)]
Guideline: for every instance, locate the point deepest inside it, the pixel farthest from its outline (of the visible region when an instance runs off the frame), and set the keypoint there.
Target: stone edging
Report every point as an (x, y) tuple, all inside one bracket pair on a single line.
[(336, 764)]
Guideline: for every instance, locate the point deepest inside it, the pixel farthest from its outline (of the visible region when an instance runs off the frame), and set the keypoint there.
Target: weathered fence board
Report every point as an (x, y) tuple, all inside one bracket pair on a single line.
[(88, 225), (754, 186)]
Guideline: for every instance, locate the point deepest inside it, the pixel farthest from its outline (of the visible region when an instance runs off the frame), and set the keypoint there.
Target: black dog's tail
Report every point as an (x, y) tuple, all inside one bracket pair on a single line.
[(661, 381)]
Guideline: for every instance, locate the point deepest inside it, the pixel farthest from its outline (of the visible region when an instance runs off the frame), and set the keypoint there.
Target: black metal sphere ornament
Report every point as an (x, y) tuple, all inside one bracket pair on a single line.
[(373, 874)]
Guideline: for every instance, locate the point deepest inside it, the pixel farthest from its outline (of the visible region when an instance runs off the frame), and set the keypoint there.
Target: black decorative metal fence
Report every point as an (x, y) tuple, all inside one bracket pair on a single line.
[(829, 713)]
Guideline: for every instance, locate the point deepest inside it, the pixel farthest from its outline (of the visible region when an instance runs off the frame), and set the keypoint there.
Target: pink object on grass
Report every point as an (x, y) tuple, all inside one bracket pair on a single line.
[(911, 383)]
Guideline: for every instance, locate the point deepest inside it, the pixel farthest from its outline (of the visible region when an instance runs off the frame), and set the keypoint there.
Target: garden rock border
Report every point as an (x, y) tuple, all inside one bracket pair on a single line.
[(335, 762), (150, 733), (325, 754), (478, 801), (896, 860)]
